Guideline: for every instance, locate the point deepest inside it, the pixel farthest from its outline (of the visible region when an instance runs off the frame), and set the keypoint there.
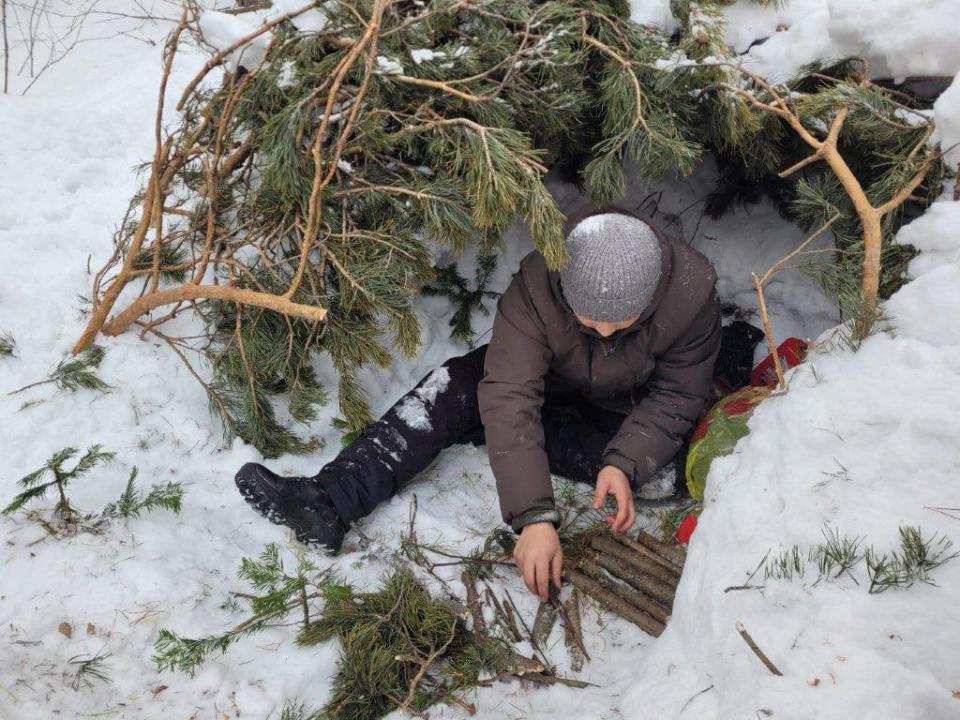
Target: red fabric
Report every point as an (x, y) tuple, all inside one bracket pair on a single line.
[(792, 351), (686, 528)]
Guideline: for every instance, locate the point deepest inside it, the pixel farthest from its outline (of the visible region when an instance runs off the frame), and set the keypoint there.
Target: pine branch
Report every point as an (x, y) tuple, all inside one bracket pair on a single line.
[(75, 373)]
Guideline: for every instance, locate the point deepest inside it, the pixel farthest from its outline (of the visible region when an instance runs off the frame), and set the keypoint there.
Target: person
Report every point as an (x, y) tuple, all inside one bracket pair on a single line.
[(596, 373)]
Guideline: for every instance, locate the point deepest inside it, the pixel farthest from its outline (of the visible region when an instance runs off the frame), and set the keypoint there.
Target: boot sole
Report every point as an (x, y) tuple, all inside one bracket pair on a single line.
[(248, 480)]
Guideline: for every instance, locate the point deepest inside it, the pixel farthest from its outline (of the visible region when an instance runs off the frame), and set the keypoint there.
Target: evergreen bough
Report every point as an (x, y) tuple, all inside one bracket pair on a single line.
[(74, 373), (295, 204), (401, 648)]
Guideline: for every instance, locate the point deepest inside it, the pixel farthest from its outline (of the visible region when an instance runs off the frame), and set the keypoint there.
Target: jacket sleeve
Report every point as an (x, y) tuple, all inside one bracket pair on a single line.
[(679, 388), (510, 397)]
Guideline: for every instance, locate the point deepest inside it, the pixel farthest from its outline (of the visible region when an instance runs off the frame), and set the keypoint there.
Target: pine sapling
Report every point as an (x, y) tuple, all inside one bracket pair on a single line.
[(35, 489), (75, 373), (132, 503)]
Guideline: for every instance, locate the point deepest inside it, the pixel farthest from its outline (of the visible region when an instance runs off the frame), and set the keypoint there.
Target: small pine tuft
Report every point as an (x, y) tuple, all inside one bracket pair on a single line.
[(132, 503), (7, 344)]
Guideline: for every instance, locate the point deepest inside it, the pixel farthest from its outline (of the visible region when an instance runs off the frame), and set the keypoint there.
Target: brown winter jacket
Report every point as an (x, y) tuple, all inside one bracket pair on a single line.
[(657, 372)]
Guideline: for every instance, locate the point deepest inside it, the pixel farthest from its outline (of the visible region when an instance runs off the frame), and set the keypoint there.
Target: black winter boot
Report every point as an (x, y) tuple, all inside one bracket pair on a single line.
[(300, 503)]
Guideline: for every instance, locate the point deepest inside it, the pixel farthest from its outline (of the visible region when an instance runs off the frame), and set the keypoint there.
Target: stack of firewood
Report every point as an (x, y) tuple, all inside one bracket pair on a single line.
[(635, 579)]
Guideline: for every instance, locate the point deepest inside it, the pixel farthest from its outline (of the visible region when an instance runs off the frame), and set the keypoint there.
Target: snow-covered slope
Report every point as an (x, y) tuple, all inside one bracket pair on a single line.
[(888, 414)]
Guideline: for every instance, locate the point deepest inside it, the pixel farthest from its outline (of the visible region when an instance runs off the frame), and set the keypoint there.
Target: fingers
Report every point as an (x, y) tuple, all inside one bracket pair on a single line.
[(543, 579), (626, 513), (622, 513), (527, 568), (556, 565), (600, 494)]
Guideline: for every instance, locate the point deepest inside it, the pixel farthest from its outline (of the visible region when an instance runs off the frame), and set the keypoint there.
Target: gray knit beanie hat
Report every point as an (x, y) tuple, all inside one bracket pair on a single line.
[(614, 267)]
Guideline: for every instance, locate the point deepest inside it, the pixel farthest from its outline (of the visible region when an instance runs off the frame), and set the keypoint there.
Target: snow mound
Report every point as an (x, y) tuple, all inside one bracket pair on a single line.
[(862, 443), (946, 112), (900, 37)]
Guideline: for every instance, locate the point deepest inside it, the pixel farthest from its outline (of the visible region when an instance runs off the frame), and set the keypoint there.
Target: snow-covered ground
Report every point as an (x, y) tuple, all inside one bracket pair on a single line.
[(863, 443)]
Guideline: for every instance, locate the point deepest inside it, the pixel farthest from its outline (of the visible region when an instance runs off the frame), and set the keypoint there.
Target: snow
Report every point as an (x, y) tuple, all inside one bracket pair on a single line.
[(222, 30), (899, 37), (420, 55), (653, 12), (591, 225), (413, 410), (435, 384), (311, 21), (388, 66), (889, 414), (946, 113)]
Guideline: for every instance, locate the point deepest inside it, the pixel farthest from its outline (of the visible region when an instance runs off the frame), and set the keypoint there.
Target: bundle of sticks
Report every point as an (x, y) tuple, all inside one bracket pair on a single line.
[(633, 578)]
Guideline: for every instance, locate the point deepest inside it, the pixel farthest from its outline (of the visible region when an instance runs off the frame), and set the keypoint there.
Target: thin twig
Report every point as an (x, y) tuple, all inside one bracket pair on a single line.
[(756, 650)]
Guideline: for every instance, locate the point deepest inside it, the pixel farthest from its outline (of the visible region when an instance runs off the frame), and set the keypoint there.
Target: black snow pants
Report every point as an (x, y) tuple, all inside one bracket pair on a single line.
[(442, 410)]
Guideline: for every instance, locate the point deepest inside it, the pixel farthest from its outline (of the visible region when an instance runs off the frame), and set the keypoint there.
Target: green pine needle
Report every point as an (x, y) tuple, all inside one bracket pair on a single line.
[(7, 344), (133, 503), (61, 477)]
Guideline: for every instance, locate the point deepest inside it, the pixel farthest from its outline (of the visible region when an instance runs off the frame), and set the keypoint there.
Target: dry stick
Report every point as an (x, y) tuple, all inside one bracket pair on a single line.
[(564, 615), (543, 623), (871, 217), (674, 554), (756, 650), (506, 619), (644, 583), (573, 631), (626, 592), (473, 603), (153, 191), (516, 613), (321, 180), (648, 553), (616, 605), (768, 333), (760, 281), (606, 544), (142, 305)]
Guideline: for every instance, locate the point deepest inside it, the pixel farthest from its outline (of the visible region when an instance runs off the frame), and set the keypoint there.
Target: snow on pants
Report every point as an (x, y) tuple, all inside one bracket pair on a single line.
[(442, 410)]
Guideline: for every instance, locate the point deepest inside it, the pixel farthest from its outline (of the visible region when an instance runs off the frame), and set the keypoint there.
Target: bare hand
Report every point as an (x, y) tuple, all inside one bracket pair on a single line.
[(613, 481), (539, 557)]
